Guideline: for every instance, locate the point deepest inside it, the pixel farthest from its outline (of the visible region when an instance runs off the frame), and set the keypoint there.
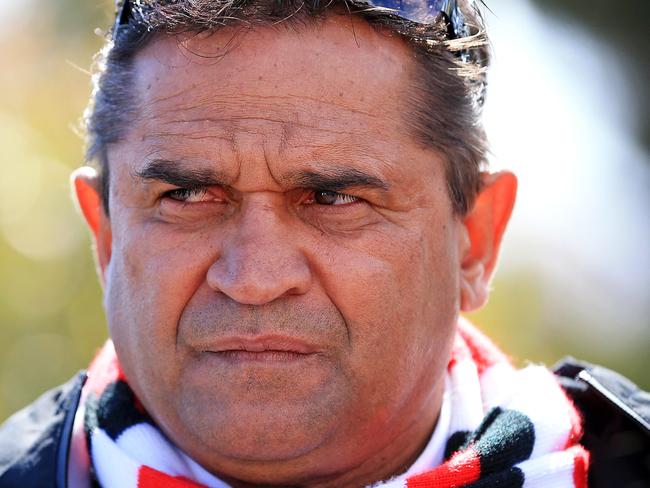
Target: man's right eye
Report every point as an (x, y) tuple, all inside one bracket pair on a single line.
[(187, 195)]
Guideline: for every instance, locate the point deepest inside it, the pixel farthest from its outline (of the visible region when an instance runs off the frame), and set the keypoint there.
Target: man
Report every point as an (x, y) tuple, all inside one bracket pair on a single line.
[(290, 208)]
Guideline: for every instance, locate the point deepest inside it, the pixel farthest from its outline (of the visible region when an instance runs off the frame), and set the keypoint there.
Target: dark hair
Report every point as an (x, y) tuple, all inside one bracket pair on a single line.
[(442, 111)]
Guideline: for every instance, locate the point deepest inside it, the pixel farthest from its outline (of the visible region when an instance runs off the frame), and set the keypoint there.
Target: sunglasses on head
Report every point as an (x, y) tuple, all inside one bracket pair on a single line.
[(419, 11)]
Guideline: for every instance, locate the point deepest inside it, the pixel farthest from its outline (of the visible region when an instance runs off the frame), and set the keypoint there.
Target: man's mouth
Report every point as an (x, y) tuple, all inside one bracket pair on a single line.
[(264, 348)]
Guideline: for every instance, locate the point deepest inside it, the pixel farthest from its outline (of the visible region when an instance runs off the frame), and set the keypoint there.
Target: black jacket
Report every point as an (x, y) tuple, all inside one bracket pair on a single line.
[(35, 442)]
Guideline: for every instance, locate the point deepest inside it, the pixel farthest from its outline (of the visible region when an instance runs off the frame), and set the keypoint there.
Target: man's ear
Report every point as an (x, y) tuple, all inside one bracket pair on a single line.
[(86, 186), (484, 227)]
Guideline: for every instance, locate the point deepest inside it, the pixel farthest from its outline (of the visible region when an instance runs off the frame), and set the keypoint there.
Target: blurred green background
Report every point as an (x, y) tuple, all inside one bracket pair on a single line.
[(549, 300)]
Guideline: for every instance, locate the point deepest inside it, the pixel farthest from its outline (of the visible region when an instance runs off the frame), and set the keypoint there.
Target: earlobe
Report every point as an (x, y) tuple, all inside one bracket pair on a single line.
[(85, 183), (484, 227)]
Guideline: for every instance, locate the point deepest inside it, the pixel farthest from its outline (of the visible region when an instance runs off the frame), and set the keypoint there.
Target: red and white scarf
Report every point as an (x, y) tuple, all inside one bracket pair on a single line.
[(508, 428)]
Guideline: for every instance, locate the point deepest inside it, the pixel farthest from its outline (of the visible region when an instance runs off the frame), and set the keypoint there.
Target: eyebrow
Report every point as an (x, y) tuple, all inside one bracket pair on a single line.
[(333, 179), (336, 179), (177, 174)]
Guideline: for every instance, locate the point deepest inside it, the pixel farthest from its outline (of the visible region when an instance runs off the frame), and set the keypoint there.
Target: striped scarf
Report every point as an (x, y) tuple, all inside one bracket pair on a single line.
[(508, 428)]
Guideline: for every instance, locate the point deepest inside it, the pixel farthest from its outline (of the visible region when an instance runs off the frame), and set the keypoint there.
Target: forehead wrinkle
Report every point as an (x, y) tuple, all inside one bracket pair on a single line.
[(168, 110), (285, 108), (161, 140), (289, 138), (246, 104), (272, 101), (163, 98), (349, 145), (229, 127), (223, 113), (149, 104)]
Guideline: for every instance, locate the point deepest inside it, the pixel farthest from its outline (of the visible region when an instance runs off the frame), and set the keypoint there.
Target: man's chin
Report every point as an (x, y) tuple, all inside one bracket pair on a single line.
[(261, 424)]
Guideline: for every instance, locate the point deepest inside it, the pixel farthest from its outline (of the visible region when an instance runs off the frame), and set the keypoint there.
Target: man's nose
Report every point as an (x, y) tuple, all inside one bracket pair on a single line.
[(260, 259)]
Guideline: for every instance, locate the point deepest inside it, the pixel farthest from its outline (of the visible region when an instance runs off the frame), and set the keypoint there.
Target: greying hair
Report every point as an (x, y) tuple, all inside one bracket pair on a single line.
[(442, 110)]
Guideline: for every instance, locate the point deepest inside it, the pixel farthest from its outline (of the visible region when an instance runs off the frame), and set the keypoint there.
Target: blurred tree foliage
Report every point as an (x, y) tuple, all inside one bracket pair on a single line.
[(51, 320), (623, 23)]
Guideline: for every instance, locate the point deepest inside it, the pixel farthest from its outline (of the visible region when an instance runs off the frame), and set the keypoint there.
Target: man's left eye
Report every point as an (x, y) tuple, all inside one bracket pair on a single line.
[(324, 197), (187, 195)]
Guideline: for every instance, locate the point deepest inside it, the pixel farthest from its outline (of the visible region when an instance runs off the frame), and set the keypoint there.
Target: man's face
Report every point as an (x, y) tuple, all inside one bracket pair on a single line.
[(284, 272)]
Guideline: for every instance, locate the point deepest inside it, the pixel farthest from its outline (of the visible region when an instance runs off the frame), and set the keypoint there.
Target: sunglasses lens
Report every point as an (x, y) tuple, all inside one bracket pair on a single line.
[(425, 12), (420, 11)]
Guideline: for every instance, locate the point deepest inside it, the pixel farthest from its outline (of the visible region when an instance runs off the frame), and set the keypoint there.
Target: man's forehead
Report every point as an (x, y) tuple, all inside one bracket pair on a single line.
[(329, 68), (294, 101)]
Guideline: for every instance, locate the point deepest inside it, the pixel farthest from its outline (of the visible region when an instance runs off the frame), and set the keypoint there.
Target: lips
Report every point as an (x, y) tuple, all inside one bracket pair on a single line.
[(263, 343), (267, 348)]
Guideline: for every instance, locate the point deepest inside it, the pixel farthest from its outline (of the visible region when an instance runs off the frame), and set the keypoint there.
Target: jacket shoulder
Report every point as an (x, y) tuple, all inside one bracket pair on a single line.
[(616, 415), (34, 441)]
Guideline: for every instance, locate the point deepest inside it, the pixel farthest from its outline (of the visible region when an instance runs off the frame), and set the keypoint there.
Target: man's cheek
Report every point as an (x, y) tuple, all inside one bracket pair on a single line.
[(144, 300), (140, 288)]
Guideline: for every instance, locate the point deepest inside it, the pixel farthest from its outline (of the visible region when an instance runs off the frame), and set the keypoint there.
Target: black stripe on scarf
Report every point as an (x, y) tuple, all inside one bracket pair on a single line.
[(504, 438), (115, 411)]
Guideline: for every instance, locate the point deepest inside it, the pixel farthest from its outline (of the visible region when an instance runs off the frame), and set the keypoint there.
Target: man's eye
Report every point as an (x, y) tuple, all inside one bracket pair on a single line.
[(323, 197), (186, 195)]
